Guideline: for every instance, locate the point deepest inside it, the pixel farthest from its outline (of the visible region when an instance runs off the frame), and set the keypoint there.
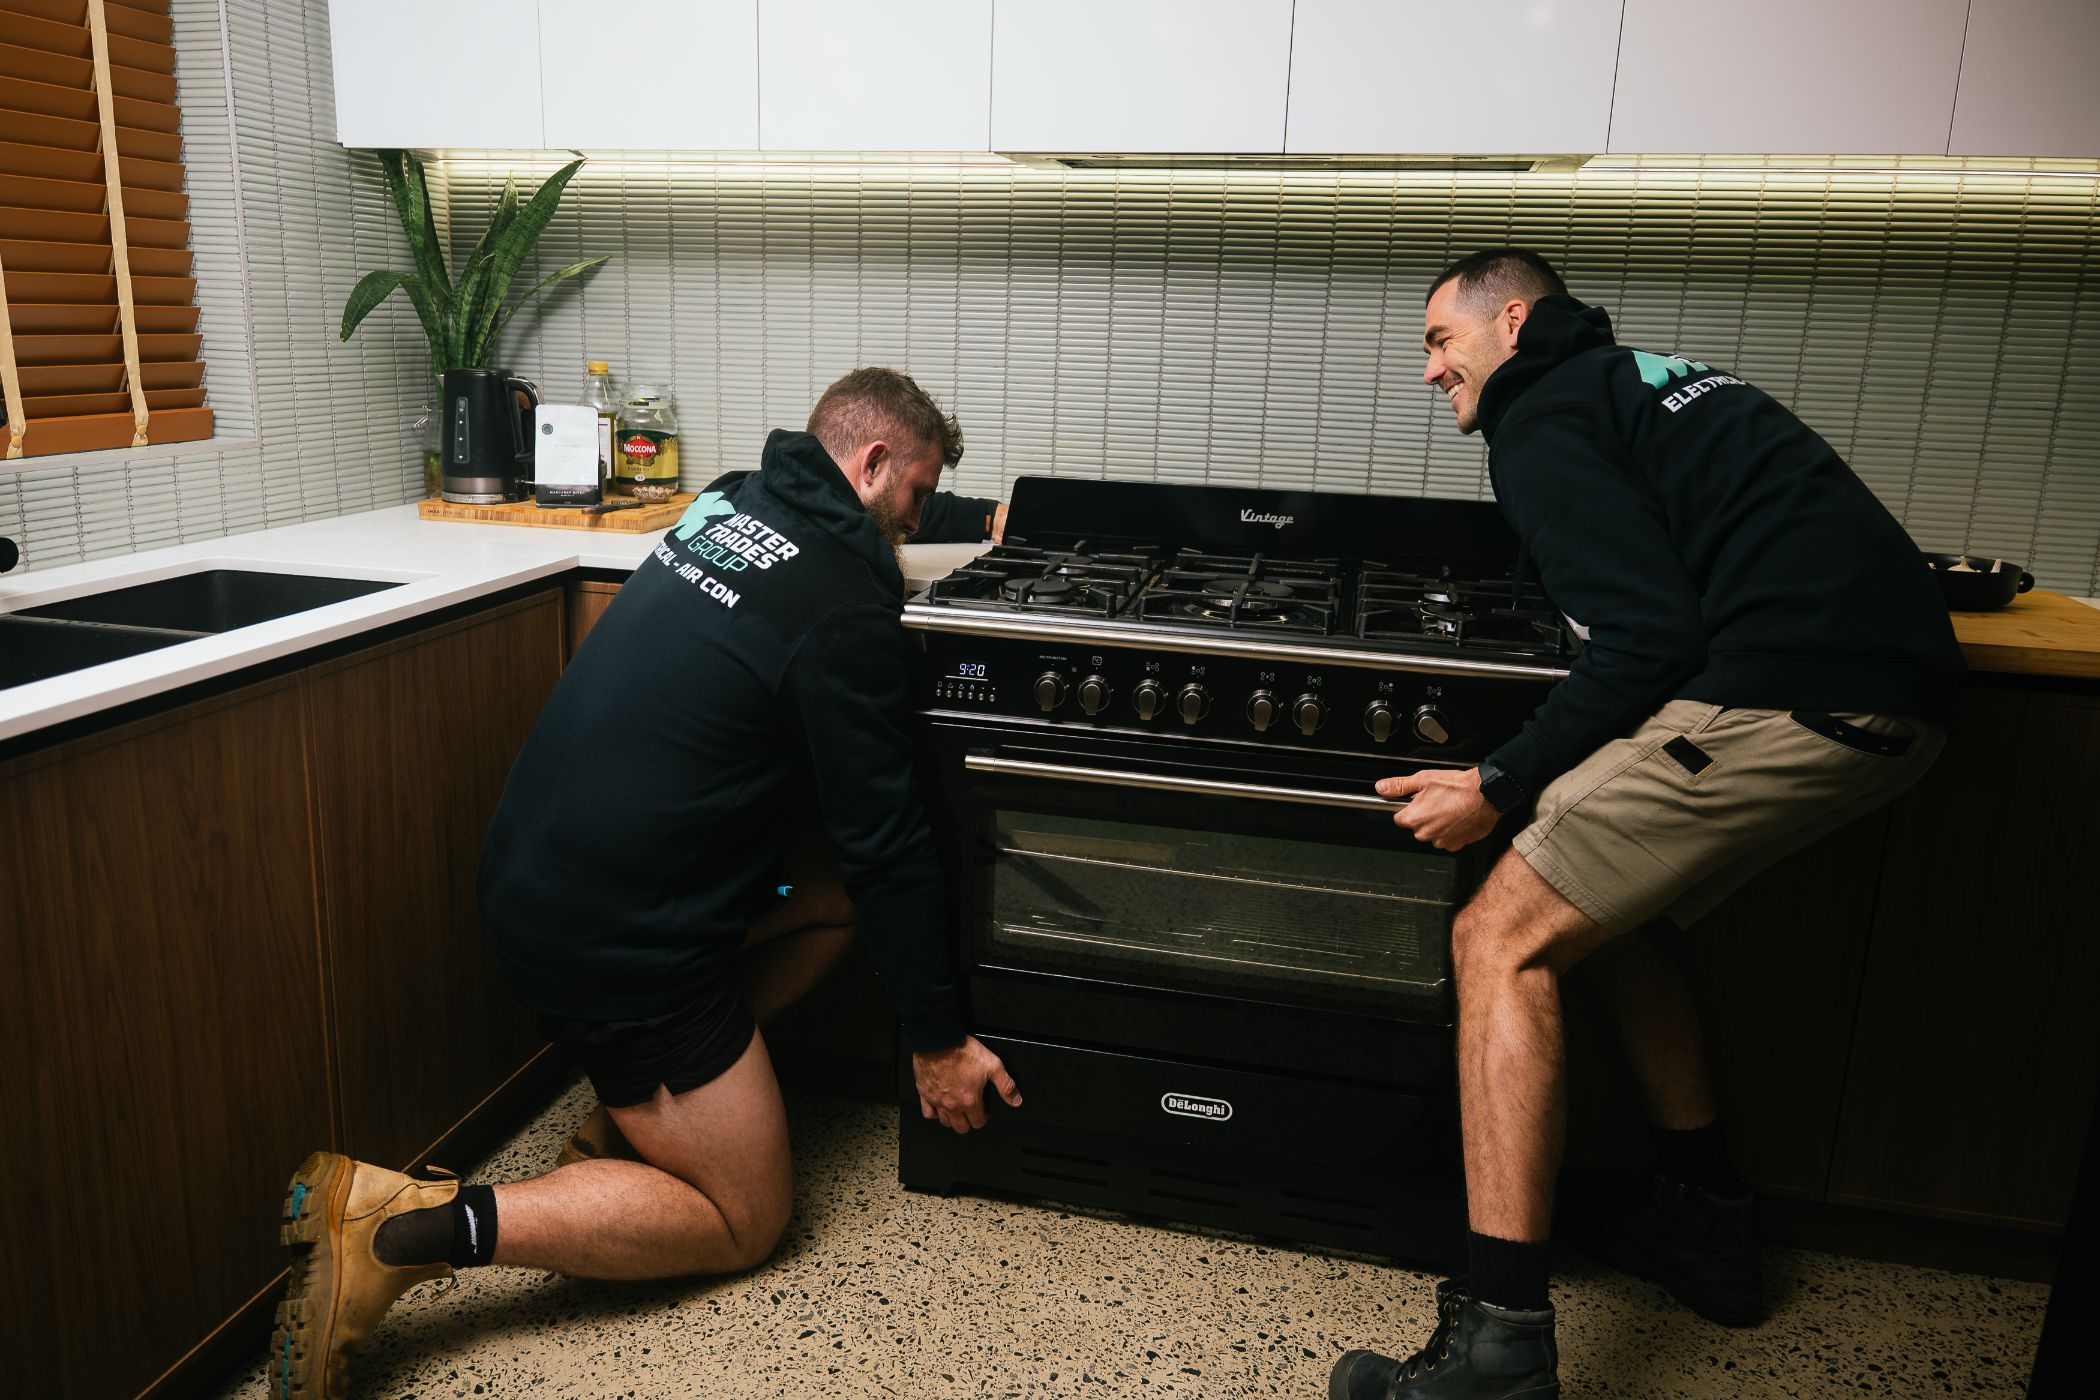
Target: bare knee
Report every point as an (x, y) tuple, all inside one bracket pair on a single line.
[(1487, 946), (758, 1233)]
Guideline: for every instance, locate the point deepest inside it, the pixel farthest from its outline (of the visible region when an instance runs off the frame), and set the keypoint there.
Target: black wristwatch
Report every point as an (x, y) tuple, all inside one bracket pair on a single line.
[(1502, 792)]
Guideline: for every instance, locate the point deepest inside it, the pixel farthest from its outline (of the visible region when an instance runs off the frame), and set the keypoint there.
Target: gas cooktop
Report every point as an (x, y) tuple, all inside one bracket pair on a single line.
[(1452, 590), (1125, 612)]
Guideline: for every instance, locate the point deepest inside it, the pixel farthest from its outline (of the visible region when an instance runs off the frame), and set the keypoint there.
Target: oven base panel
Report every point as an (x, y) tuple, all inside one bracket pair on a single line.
[(1318, 1162)]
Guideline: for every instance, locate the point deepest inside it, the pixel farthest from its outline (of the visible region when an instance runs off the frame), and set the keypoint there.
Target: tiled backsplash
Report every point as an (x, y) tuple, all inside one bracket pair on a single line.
[(1942, 332)]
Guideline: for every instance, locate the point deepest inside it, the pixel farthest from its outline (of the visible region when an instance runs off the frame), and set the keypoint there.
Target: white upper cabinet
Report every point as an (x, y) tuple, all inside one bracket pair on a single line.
[(848, 75), (1826, 76), (651, 75), (1174, 76), (2027, 82), (410, 73), (1383, 76)]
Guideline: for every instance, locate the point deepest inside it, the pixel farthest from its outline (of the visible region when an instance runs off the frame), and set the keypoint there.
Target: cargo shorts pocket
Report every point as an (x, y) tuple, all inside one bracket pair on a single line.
[(1892, 742)]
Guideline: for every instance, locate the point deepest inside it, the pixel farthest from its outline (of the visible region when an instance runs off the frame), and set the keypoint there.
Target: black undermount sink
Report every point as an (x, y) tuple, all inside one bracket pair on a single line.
[(51, 640), (212, 600), (31, 650)]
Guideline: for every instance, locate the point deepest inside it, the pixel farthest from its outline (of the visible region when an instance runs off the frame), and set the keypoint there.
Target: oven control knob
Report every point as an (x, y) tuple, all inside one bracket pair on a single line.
[(1308, 713), (1049, 691), (1262, 710), (1150, 697), (1432, 726), (1094, 695), (1379, 720), (1192, 702)]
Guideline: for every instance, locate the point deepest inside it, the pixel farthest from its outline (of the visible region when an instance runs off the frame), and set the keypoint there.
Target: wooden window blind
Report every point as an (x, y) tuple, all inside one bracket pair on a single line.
[(98, 339)]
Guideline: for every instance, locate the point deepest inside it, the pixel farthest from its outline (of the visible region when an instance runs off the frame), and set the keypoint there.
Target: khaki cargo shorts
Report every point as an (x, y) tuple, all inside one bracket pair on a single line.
[(1671, 820)]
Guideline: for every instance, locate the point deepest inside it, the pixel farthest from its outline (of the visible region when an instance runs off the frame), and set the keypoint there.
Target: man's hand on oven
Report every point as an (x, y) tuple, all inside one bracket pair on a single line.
[(1444, 806), (951, 1083)]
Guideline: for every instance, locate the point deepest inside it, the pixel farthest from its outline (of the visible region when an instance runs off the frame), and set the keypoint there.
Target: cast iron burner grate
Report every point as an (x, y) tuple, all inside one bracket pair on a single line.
[(1473, 614), (1247, 593), (1017, 578)]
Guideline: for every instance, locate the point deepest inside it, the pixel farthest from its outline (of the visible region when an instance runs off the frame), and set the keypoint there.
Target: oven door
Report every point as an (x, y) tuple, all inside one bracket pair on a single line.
[(1255, 880)]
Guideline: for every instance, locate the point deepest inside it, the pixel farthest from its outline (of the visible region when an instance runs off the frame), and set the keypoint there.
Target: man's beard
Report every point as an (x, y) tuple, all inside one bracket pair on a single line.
[(888, 511)]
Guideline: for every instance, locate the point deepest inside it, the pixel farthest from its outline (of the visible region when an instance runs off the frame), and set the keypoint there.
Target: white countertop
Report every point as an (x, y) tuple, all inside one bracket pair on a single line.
[(439, 562)]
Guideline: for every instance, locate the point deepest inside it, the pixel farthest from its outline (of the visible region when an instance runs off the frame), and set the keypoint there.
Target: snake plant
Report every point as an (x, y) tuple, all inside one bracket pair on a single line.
[(462, 319)]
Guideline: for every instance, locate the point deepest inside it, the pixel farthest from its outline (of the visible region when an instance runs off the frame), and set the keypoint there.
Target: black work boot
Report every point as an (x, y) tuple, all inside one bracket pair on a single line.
[(1699, 1246), (1477, 1352)]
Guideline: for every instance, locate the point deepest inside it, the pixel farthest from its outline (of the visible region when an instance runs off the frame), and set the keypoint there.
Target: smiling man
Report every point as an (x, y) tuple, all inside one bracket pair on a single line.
[(717, 797), (1767, 659)]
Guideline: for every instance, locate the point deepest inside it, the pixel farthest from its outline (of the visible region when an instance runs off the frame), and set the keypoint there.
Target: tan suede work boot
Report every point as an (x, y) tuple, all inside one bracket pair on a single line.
[(339, 1289), (598, 1137)]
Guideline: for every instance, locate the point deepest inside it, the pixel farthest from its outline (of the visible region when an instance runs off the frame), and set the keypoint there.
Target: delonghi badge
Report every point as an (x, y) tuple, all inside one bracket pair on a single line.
[(1191, 1106)]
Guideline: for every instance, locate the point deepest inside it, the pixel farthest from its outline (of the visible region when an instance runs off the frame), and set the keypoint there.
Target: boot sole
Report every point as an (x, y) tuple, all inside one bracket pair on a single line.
[(313, 1202)]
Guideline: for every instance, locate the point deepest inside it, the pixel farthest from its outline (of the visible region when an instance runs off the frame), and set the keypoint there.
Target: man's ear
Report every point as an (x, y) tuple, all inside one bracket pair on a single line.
[(1512, 319), (872, 460)]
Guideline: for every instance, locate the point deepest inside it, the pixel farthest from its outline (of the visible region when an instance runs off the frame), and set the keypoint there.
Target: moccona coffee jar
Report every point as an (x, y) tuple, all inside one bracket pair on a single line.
[(645, 450)]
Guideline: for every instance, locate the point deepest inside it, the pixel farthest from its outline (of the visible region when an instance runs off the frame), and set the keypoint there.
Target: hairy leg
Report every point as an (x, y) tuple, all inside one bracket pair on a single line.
[(1510, 945), (711, 1194)]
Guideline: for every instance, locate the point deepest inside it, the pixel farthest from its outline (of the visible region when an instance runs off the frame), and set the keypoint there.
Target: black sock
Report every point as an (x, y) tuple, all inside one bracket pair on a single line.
[(473, 1227), (1507, 1273), (1698, 1157), (462, 1233)]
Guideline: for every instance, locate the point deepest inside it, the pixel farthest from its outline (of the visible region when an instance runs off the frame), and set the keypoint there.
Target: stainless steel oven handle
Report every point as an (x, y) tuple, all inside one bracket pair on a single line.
[(1203, 787)]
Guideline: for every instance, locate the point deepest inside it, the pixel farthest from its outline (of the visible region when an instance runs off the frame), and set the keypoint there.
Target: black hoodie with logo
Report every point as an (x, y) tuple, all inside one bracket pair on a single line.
[(1715, 547), (752, 666)]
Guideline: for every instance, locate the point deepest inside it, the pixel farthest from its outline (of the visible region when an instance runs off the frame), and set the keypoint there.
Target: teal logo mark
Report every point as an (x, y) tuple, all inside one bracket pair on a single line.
[(1658, 370), (705, 508)]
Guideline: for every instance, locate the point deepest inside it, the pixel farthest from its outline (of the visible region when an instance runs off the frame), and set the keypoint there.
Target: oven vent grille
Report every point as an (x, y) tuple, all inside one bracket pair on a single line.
[(1067, 1168), (1336, 1212), (1189, 1188)]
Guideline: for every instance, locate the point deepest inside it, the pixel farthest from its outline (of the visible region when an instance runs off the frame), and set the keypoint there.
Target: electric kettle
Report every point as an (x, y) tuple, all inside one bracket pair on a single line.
[(486, 445)]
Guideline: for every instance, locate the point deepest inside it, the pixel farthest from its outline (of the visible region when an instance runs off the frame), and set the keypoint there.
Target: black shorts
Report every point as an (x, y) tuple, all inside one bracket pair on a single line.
[(680, 1050)]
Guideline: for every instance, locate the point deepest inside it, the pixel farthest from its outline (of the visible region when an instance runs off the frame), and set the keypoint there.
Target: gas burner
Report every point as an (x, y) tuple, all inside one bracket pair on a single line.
[(1037, 590), (1247, 591), (1018, 578), (1443, 611)]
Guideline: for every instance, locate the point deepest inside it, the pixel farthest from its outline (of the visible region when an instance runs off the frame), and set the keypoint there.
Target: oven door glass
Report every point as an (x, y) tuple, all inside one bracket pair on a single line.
[(1240, 885)]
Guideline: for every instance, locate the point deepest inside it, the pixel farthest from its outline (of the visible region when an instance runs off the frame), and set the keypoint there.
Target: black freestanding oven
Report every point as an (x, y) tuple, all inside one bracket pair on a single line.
[(1218, 971)]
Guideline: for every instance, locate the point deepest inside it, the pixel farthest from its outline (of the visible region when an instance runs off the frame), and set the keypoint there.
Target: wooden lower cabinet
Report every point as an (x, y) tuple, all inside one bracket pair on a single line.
[(232, 934), (413, 741), (588, 600), (161, 993), (1976, 1055)]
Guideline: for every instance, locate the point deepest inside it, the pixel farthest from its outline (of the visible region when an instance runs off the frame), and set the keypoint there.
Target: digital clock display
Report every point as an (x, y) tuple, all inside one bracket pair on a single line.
[(971, 670)]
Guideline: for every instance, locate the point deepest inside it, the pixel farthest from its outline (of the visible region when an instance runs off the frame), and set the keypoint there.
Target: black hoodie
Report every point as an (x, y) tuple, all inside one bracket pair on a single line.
[(752, 666), (1715, 548)]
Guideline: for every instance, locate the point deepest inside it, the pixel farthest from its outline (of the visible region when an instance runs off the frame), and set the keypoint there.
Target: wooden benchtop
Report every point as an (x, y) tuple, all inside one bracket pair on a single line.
[(2036, 634)]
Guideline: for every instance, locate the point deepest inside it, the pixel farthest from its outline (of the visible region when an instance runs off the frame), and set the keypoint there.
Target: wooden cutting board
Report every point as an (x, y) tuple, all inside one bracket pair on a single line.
[(2036, 634), (638, 521)]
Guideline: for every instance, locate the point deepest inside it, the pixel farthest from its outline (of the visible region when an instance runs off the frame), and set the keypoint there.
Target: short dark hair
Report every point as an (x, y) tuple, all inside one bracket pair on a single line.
[(871, 403), (1497, 276)]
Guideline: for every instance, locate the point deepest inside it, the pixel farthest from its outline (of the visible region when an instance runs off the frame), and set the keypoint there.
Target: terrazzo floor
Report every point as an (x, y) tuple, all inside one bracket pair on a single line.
[(882, 1292)]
